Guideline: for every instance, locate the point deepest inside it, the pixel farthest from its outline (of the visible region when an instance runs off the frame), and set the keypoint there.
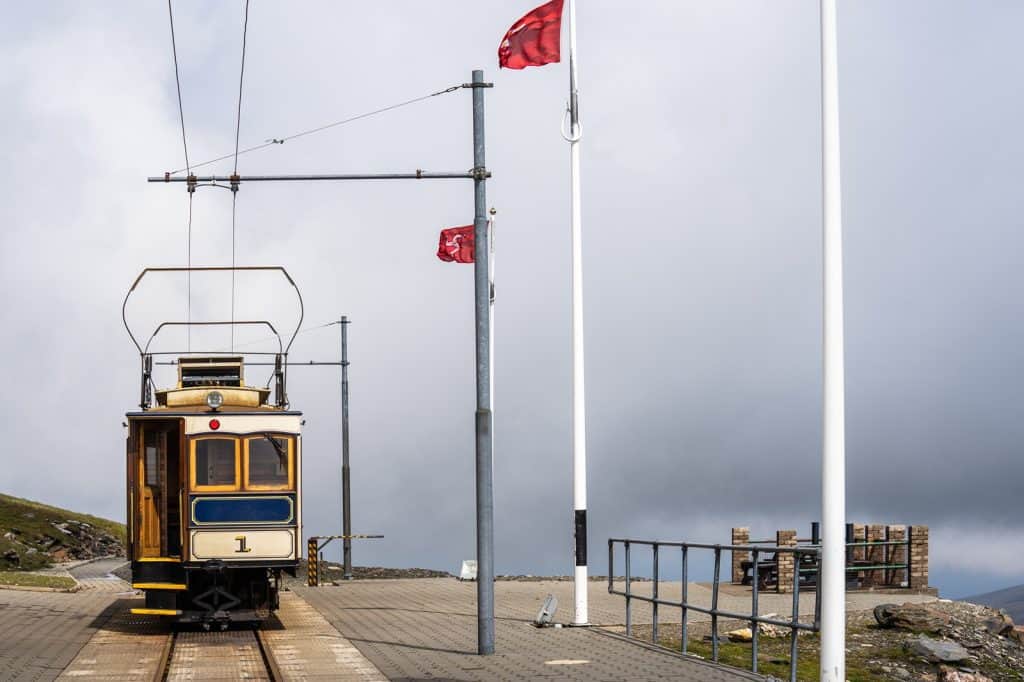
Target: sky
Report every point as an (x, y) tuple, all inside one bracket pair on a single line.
[(701, 185)]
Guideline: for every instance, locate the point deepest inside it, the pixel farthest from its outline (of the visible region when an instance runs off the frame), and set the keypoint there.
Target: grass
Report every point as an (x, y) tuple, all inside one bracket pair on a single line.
[(23, 579), (36, 535), (773, 656)]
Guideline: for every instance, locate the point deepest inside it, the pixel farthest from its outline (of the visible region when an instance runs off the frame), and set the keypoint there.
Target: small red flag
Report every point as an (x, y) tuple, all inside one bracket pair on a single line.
[(534, 40), (458, 244)]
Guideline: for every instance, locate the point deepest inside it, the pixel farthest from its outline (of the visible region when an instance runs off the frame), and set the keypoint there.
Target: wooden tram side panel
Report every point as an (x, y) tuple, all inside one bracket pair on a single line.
[(130, 492), (184, 510), (161, 481)]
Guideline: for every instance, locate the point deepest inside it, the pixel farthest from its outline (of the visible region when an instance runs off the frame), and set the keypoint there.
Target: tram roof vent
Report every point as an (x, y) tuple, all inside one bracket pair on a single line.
[(218, 371)]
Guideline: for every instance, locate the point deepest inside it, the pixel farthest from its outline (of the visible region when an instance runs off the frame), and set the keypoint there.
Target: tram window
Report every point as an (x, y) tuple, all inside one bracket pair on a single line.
[(268, 463), (151, 466), (215, 462)]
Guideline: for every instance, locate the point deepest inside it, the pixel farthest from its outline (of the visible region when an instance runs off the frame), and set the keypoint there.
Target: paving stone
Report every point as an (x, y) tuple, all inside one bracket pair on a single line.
[(426, 629)]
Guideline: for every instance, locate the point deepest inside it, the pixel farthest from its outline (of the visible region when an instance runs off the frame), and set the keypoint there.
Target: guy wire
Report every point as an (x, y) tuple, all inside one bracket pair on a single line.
[(357, 117)]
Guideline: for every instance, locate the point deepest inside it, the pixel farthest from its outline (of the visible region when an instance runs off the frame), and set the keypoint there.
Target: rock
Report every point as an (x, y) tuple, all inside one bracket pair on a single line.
[(947, 674), (936, 651), (914, 617), (901, 673), (999, 624), (741, 635)]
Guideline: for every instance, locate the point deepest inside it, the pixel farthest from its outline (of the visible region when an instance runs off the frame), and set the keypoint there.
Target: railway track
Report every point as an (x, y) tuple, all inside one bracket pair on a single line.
[(228, 655), (297, 644)]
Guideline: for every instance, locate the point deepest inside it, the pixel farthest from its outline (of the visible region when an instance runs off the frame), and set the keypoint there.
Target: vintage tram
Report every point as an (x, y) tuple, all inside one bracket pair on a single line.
[(213, 482)]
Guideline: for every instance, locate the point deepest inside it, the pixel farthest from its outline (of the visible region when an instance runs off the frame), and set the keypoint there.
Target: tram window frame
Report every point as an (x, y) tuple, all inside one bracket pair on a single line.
[(290, 440), (215, 488)]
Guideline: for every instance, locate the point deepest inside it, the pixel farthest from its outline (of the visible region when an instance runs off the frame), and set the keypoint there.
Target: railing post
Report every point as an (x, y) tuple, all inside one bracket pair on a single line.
[(629, 612), (611, 564), (714, 604), (817, 592), (754, 629), (654, 604), (684, 593), (796, 619)]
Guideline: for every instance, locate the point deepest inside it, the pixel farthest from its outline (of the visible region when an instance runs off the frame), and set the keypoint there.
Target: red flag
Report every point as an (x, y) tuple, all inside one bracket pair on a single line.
[(458, 244), (534, 40)]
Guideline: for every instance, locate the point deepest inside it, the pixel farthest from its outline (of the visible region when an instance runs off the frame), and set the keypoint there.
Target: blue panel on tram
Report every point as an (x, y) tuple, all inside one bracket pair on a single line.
[(276, 509)]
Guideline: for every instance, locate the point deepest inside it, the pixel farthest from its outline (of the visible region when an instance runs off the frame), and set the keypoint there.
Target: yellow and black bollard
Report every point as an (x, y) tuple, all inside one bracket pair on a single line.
[(312, 572)]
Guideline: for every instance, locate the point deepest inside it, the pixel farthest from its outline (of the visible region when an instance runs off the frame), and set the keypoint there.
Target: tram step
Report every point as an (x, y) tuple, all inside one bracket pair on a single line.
[(162, 599), (155, 612), (164, 571)]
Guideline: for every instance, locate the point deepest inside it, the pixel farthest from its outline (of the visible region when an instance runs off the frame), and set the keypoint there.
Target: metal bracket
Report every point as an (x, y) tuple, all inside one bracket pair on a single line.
[(235, 179), (478, 85), (480, 173)]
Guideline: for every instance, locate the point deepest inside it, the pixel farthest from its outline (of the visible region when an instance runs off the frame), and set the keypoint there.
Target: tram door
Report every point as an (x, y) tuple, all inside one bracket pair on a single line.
[(160, 490)]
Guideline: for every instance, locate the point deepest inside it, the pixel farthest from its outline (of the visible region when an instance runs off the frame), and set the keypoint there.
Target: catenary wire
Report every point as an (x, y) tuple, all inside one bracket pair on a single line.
[(184, 144), (234, 193), (188, 277), (271, 338), (177, 81), (286, 138), (241, 80)]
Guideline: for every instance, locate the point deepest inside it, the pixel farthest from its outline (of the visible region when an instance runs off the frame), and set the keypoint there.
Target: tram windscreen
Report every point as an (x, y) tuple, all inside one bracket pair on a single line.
[(215, 461), (268, 462)]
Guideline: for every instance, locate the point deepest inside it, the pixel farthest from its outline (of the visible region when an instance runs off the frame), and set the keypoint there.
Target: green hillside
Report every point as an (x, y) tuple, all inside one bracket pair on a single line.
[(34, 535)]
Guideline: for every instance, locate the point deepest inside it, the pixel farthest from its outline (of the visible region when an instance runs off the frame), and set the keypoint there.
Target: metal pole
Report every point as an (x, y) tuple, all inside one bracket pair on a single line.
[(579, 416), (484, 481), (346, 475), (833, 471)]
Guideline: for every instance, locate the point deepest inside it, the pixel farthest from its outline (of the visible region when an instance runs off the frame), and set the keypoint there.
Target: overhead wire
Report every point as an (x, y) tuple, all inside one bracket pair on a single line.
[(184, 144), (281, 140), (271, 338), (234, 193)]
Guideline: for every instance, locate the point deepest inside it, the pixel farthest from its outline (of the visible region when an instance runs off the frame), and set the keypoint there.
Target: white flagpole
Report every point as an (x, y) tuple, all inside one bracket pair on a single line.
[(579, 422), (833, 469)]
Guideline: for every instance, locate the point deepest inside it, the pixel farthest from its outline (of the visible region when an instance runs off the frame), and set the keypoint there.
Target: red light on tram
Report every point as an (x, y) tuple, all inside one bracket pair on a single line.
[(214, 424)]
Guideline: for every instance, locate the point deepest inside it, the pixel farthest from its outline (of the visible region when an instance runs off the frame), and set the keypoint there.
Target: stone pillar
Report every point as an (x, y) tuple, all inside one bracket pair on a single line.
[(875, 555), (786, 560), (918, 556), (740, 536), (897, 555)]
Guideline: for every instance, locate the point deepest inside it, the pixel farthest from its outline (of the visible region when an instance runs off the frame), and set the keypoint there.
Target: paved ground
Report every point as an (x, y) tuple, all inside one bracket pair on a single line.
[(41, 632), (306, 647), (402, 629), (426, 629)]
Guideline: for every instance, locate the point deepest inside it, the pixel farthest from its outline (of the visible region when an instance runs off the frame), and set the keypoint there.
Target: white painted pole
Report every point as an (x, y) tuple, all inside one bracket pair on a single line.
[(833, 461), (579, 416)]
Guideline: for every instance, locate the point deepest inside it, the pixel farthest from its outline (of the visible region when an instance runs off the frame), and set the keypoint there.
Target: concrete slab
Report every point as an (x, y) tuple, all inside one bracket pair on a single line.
[(426, 629), (304, 646)]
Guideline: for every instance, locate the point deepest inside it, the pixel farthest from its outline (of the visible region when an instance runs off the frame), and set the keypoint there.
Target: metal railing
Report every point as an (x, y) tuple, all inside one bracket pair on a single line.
[(754, 618)]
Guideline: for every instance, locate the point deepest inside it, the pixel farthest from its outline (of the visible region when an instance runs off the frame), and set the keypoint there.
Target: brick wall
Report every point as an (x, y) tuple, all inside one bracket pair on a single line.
[(875, 555), (918, 556), (786, 560), (740, 536), (897, 555)]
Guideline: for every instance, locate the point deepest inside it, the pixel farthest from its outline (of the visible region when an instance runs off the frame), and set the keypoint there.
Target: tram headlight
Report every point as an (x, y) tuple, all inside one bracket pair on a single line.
[(214, 399)]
